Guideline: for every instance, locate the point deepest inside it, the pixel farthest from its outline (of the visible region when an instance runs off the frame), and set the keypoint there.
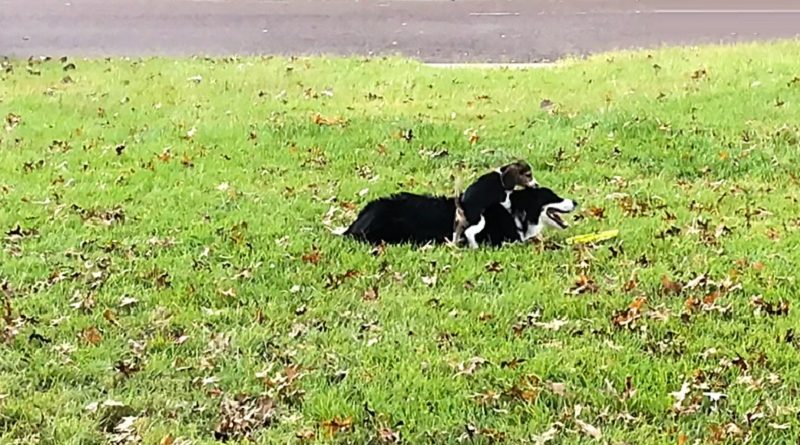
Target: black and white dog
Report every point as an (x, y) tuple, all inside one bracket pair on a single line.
[(491, 188), (425, 219)]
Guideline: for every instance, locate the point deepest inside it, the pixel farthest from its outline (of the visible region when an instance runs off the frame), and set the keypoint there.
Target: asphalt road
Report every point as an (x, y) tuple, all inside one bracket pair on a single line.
[(431, 30)]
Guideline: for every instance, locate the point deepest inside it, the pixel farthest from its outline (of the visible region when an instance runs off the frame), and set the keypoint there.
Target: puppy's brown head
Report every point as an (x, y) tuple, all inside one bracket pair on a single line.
[(517, 173)]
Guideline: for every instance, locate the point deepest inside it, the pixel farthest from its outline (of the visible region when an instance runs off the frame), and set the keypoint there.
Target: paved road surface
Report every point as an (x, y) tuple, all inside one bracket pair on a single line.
[(431, 30)]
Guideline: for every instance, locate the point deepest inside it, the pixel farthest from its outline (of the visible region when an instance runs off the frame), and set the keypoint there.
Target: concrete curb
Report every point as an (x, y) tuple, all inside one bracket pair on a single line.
[(511, 66)]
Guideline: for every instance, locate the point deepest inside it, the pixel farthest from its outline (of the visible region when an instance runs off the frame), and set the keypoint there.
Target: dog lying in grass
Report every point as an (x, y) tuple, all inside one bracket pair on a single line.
[(491, 188), (424, 219)]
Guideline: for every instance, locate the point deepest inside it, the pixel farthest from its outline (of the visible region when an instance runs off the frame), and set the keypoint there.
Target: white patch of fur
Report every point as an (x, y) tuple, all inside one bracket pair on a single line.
[(565, 206), (507, 203), (534, 230), (473, 231)]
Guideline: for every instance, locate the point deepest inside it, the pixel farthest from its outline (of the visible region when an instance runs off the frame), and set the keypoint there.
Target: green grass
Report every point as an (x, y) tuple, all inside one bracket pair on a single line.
[(209, 201)]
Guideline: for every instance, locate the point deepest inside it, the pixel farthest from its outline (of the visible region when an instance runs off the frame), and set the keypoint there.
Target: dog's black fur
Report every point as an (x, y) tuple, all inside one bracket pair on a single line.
[(422, 219)]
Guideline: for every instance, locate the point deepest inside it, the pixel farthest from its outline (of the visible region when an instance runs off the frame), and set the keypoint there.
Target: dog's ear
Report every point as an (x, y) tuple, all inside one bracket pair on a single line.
[(518, 173)]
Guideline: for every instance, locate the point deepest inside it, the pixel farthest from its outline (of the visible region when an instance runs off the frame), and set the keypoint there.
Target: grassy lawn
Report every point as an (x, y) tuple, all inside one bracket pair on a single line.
[(169, 276)]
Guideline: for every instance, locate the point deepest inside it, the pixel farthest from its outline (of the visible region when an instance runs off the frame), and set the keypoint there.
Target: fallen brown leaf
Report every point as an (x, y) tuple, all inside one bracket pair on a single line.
[(126, 302), (700, 280), (596, 212), (526, 321), (627, 317), (559, 389), (312, 257), (469, 367), (387, 435), (125, 431), (670, 286), (186, 161), (407, 135), (682, 396), (110, 317), (165, 156), (17, 233), (511, 364), (547, 436), (227, 293), (181, 339), (337, 425), (630, 285), (711, 298), (763, 306), (327, 121), (12, 120), (588, 429), (494, 266), (527, 389), (773, 234), (699, 74), (241, 417), (487, 398), (584, 284), (430, 280), (333, 281), (92, 336), (305, 435), (485, 316), (668, 232), (371, 294), (630, 391)]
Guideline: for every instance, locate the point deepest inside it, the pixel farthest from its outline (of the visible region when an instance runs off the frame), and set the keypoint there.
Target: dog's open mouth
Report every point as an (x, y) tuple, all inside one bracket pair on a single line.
[(555, 215)]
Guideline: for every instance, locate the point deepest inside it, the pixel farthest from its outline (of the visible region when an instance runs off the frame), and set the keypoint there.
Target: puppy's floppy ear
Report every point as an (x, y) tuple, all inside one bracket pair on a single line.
[(518, 173), (508, 175)]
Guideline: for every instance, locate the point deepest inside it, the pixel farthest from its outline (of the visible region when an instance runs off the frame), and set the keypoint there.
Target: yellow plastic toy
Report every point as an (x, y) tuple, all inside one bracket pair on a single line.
[(592, 237)]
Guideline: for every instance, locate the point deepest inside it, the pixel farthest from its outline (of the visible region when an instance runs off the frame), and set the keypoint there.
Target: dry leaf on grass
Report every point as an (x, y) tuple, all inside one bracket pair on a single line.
[(762, 306), (547, 436), (388, 436), (337, 425), (125, 432), (239, 418), (110, 317), (584, 284), (92, 336), (312, 257), (371, 294), (327, 121), (305, 435), (670, 287), (589, 429), (469, 367), (626, 318)]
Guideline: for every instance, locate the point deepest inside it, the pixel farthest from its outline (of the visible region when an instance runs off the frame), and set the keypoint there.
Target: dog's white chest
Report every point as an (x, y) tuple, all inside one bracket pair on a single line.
[(507, 202)]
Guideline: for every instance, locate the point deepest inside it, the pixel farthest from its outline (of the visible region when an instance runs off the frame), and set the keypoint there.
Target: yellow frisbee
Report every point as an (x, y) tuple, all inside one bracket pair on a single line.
[(593, 237)]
